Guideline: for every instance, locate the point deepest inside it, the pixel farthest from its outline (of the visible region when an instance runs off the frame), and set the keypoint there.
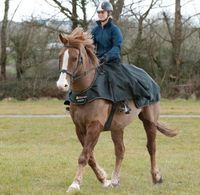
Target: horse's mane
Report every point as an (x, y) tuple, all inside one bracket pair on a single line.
[(79, 38)]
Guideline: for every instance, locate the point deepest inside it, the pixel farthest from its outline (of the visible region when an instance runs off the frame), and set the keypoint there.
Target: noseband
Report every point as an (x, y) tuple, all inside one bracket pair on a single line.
[(73, 75)]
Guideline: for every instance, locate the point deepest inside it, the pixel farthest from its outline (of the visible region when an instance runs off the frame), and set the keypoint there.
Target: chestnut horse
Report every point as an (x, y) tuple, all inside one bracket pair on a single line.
[(78, 64)]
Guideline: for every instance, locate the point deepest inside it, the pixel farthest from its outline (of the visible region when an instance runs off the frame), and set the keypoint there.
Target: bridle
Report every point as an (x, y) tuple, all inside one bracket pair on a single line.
[(73, 75)]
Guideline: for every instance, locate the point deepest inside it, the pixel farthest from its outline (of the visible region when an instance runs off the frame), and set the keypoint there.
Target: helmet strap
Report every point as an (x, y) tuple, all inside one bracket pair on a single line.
[(104, 20), (109, 16)]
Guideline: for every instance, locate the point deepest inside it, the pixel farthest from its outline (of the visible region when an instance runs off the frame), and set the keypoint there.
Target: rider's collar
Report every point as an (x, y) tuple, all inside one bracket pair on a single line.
[(107, 24)]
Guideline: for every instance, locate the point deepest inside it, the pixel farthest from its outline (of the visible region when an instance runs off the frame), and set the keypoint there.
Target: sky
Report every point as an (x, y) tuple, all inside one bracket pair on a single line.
[(41, 9)]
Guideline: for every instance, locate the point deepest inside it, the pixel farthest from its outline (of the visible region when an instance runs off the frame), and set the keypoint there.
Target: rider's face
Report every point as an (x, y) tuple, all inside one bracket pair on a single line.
[(102, 15)]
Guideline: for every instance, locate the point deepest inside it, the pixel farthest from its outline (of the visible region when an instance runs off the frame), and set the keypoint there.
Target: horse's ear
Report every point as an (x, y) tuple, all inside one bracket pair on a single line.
[(63, 38)]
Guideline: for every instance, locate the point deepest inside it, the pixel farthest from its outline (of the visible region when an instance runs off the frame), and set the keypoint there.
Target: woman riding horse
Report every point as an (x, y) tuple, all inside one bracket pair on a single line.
[(79, 71)]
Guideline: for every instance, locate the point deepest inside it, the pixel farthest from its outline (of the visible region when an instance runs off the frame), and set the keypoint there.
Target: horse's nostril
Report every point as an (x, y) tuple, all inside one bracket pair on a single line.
[(65, 85)]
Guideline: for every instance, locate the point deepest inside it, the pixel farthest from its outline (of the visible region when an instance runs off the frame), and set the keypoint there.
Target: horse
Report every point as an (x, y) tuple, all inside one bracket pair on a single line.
[(78, 64)]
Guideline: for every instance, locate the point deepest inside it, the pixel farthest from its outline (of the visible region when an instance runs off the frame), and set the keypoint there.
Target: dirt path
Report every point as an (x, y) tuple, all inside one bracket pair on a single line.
[(67, 115)]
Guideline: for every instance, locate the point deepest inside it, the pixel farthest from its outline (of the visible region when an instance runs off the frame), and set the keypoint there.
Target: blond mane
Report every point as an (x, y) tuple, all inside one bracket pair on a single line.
[(78, 38)]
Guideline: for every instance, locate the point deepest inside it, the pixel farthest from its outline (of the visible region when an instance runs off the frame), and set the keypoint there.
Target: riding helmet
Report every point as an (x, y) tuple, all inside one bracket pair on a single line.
[(105, 6)]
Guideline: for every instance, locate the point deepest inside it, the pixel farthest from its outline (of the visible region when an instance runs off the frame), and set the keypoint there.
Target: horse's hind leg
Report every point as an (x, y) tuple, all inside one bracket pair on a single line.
[(150, 129), (117, 137)]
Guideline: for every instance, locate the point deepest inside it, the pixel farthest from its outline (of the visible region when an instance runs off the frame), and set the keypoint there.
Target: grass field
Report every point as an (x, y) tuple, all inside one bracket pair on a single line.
[(54, 106), (39, 156)]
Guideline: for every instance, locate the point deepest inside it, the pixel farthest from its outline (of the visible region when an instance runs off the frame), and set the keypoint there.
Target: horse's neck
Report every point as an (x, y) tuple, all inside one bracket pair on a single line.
[(85, 81)]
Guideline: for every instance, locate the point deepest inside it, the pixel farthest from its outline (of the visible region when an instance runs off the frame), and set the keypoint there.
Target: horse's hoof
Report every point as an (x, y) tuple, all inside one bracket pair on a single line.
[(115, 182), (115, 179), (73, 187), (107, 184), (157, 178), (158, 181)]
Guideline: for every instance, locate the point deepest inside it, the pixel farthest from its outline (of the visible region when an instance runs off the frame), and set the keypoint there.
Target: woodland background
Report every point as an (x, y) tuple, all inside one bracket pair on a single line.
[(166, 45)]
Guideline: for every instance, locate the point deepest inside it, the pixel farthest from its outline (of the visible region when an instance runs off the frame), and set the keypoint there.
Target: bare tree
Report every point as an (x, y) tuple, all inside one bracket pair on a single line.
[(72, 13), (117, 8), (140, 17), (4, 41), (177, 40), (22, 49), (29, 43)]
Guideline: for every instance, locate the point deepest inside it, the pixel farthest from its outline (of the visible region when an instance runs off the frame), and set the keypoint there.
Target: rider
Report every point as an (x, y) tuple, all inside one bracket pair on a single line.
[(108, 39)]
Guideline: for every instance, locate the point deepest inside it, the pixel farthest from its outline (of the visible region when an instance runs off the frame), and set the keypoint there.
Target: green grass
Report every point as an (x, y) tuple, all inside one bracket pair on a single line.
[(42, 106), (54, 106), (39, 156), (180, 106)]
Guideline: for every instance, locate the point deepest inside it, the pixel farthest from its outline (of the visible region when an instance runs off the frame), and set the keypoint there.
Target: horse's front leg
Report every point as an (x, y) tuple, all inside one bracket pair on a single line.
[(99, 172), (93, 130), (117, 137)]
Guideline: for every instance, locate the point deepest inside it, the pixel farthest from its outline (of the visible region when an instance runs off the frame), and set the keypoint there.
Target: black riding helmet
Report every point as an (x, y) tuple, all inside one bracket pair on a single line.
[(105, 6)]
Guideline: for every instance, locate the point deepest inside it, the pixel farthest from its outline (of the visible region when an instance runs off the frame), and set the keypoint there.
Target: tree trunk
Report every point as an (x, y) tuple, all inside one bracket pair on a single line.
[(71, 12), (177, 40), (74, 14), (138, 41), (4, 41), (117, 8)]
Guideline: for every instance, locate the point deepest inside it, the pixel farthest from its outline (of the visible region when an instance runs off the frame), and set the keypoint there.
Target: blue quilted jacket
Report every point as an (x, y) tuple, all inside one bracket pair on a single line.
[(108, 40)]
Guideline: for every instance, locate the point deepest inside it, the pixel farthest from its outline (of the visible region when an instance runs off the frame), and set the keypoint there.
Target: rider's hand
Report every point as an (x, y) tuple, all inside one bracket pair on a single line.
[(103, 60)]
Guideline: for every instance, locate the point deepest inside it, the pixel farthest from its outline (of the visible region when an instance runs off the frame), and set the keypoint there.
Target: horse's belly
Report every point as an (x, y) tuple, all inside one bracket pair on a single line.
[(121, 120)]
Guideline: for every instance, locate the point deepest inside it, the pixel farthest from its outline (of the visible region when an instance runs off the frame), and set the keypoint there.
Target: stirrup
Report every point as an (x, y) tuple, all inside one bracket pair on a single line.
[(127, 110)]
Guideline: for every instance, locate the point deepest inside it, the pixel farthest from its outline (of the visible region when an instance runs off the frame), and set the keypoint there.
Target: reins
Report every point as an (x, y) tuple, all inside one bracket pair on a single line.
[(77, 77)]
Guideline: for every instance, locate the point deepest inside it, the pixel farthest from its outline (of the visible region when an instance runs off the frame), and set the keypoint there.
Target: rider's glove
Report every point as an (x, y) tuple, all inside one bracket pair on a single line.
[(103, 60)]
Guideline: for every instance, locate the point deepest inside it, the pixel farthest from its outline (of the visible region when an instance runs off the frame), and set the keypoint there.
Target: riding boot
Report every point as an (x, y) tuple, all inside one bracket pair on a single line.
[(67, 102), (67, 108), (124, 107)]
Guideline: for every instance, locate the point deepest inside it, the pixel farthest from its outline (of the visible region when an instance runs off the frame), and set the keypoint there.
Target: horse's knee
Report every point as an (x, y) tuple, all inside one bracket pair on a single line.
[(83, 160), (92, 163)]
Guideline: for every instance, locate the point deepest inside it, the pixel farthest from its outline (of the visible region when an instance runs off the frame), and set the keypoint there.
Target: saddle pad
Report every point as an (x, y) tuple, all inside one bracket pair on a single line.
[(118, 83)]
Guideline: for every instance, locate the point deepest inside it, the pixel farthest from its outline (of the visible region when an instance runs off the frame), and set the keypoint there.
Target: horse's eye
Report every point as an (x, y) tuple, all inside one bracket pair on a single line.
[(73, 58)]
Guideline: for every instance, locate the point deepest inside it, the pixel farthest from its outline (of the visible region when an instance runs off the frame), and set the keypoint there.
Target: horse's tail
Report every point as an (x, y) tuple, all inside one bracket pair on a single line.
[(165, 130), (161, 127)]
